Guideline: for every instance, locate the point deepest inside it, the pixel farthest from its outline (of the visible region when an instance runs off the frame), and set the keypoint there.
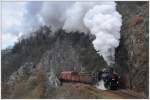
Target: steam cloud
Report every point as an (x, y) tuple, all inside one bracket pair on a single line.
[(99, 18), (105, 23), (101, 85)]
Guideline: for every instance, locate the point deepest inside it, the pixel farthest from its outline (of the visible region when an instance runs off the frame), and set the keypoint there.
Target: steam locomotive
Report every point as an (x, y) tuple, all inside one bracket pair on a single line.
[(110, 78)]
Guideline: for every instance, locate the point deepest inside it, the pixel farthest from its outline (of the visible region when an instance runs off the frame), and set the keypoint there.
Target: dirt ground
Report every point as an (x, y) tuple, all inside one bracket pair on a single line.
[(85, 91)]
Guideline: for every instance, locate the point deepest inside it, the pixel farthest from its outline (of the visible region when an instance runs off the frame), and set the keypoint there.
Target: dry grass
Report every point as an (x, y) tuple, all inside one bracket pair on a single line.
[(39, 91), (20, 90), (74, 91), (30, 89), (4, 91)]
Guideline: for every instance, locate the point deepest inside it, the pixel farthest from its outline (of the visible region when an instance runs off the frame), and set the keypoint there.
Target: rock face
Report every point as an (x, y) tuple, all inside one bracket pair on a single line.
[(61, 57), (53, 80), (132, 54), (22, 73)]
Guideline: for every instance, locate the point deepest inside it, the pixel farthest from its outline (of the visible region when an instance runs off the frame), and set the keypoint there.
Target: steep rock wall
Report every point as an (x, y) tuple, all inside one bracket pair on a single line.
[(132, 54)]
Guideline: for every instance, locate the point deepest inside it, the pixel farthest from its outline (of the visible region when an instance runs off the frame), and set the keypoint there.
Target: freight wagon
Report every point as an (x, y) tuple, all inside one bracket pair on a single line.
[(71, 76)]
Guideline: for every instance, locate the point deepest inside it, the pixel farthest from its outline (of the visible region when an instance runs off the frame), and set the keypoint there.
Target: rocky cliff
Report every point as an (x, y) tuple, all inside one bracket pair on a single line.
[(132, 55)]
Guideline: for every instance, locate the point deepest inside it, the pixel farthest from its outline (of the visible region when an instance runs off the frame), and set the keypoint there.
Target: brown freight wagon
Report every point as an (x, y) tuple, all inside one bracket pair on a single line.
[(85, 78), (75, 77), (65, 76), (71, 76)]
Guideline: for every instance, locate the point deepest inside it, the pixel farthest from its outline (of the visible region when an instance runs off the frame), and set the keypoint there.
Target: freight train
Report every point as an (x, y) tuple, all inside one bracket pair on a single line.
[(110, 78)]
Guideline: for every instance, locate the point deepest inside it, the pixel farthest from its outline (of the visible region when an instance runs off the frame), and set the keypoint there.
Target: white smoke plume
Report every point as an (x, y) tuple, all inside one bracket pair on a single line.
[(99, 18), (74, 17), (54, 15), (105, 23)]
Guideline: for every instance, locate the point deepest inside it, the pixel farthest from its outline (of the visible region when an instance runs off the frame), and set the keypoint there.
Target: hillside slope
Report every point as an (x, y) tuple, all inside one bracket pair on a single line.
[(45, 55)]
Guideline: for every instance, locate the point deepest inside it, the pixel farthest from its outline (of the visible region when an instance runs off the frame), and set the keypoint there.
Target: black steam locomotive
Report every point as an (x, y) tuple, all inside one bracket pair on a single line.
[(110, 78)]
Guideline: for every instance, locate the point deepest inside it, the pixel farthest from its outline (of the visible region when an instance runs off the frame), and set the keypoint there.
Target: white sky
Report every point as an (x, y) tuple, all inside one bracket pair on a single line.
[(12, 16)]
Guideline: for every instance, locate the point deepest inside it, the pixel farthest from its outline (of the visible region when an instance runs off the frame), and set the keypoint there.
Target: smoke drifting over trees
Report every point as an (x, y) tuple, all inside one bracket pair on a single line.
[(98, 18)]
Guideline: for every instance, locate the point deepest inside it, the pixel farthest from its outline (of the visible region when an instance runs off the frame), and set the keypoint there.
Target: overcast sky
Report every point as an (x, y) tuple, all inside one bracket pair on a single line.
[(12, 15), (19, 18)]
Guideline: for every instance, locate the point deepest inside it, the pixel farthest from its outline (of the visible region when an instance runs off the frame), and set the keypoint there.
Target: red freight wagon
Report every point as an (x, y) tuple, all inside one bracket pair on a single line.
[(75, 77), (69, 76), (65, 76)]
